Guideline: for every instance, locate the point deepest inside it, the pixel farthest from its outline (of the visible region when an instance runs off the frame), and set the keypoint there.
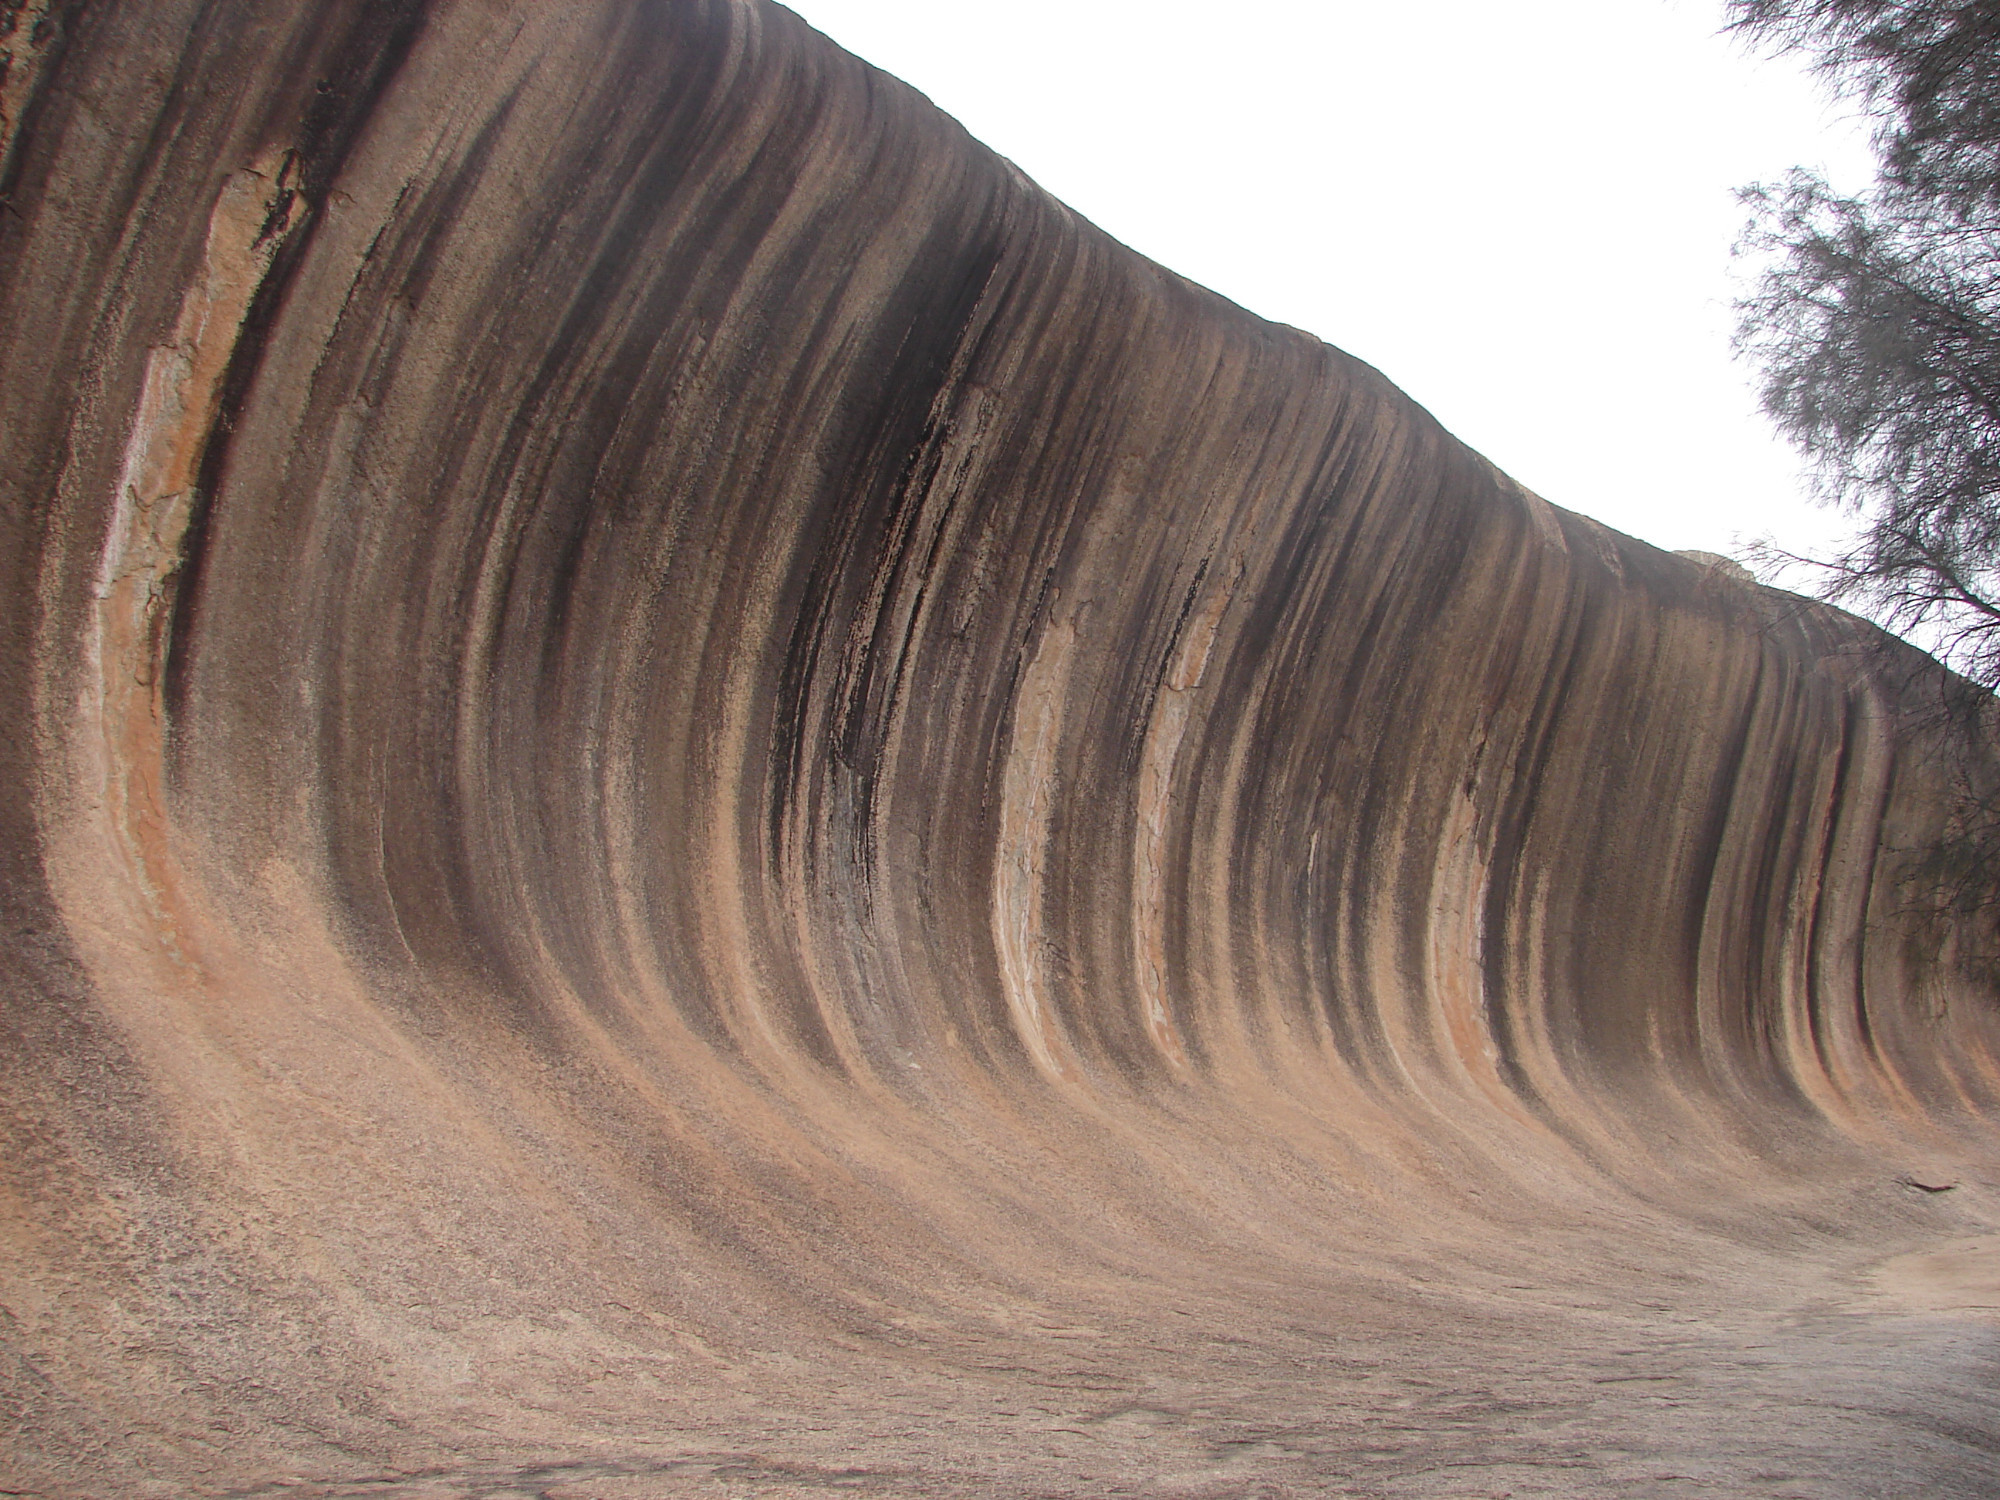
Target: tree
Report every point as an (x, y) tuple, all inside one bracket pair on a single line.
[(1876, 318), (1875, 322)]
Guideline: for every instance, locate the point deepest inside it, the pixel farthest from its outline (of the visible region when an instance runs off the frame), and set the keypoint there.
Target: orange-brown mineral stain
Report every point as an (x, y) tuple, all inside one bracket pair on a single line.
[(1155, 805), (1027, 810), (179, 402)]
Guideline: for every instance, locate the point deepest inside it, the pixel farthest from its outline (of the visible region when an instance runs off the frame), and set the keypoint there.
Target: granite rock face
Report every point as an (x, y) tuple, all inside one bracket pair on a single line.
[(700, 800)]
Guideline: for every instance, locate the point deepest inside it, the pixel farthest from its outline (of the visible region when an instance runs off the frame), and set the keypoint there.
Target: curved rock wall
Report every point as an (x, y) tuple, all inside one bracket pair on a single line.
[(697, 794)]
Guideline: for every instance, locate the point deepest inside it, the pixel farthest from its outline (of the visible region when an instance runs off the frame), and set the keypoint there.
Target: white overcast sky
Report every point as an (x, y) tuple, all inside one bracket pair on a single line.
[(1519, 210)]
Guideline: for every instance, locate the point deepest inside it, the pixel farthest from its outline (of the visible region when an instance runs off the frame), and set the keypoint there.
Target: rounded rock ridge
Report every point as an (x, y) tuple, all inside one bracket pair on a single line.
[(698, 795)]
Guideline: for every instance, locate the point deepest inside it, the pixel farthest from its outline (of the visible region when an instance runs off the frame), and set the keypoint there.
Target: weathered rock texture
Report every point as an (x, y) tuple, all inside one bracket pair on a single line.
[(699, 799)]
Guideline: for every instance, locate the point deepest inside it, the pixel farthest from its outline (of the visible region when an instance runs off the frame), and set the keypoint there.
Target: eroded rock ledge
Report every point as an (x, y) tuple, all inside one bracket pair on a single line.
[(697, 797)]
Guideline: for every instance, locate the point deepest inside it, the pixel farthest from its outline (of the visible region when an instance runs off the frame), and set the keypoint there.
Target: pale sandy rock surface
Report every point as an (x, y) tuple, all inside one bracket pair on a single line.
[(697, 800)]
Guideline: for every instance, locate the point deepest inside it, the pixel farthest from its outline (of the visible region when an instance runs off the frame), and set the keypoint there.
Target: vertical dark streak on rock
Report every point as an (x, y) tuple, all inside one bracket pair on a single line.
[(51, 37), (1516, 815), (1839, 797), (1870, 882), (359, 68), (812, 812)]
